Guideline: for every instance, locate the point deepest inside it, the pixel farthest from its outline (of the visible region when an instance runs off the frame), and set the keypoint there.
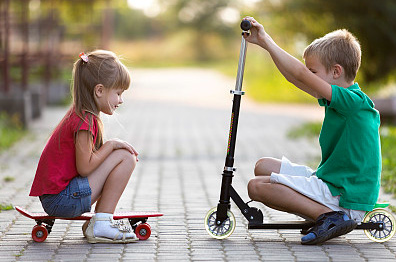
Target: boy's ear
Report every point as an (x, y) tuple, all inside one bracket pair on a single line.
[(99, 90), (338, 70)]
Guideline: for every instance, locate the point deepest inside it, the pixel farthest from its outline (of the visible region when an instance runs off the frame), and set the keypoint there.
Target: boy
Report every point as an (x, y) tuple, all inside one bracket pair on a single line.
[(347, 181)]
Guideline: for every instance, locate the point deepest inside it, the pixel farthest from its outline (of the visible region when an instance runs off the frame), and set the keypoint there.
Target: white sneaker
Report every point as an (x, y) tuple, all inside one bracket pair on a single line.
[(124, 233)]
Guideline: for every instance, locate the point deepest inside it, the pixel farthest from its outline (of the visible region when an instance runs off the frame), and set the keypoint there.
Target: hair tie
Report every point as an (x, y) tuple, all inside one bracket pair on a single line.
[(84, 57)]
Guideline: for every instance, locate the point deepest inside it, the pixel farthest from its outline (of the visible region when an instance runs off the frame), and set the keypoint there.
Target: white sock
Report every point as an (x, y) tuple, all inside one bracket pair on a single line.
[(103, 228)]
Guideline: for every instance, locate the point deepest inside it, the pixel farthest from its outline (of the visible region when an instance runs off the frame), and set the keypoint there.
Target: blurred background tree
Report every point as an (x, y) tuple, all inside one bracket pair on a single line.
[(186, 31), (373, 22), (46, 36)]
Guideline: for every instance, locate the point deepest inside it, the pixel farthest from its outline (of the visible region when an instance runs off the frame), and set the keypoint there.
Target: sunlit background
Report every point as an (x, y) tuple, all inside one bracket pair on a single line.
[(40, 40)]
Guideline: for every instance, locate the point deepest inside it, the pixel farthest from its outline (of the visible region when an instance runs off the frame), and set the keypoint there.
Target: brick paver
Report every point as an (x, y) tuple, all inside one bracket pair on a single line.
[(178, 120)]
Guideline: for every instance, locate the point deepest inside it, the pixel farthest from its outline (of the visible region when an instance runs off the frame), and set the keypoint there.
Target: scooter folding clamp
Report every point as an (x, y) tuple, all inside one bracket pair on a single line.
[(230, 169), (236, 92)]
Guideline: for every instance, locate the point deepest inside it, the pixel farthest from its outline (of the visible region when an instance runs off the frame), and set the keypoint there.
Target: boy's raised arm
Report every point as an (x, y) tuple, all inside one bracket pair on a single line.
[(290, 67)]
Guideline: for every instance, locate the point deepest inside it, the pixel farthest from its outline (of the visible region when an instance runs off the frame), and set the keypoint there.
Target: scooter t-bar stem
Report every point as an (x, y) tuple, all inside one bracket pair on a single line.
[(245, 26), (241, 65), (224, 203)]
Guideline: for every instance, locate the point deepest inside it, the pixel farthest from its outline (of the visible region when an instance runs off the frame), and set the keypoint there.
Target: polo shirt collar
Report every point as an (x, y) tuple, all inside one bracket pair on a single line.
[(355, 86)]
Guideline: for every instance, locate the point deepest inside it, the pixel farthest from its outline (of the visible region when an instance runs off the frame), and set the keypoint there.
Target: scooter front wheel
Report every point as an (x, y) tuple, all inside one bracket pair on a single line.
[(223, 230), (380, 215)]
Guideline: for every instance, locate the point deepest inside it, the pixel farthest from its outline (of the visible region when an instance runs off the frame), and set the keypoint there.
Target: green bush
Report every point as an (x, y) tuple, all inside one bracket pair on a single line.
[(388, 144)]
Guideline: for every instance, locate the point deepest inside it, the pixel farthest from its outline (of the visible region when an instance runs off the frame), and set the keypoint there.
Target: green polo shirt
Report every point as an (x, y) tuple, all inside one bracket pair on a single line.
[(351, 150)]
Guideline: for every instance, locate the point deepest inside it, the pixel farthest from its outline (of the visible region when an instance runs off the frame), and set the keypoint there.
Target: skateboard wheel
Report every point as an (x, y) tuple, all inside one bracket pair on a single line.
[(143, 231), (39, 233)]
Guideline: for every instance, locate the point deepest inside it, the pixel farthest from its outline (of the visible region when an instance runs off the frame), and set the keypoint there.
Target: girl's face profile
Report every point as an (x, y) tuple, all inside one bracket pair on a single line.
[(110, 100)]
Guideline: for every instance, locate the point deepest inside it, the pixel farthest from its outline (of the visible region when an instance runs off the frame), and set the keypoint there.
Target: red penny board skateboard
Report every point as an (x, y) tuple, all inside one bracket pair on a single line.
[(45, 222)]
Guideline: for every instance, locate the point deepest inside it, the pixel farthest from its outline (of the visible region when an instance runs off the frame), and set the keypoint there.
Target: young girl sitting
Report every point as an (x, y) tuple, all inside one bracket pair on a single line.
[(76, 169)]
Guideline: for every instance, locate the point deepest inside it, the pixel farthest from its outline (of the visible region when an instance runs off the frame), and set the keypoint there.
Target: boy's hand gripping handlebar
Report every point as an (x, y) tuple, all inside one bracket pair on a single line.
[(246, 25)]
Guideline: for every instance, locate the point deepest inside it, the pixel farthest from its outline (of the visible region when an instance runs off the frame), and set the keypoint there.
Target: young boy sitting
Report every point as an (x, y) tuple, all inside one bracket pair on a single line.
[(347, 181)]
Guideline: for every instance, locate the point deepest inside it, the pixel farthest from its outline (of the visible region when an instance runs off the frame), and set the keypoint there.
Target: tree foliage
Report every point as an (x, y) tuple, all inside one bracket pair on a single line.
[(372, 22), (203, 18)]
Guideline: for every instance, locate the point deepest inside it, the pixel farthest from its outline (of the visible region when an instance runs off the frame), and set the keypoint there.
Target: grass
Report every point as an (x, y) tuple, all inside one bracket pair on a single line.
[(11, 130), (8, 179), (5, 207), (264, 83), (388, 149), (309, 130)]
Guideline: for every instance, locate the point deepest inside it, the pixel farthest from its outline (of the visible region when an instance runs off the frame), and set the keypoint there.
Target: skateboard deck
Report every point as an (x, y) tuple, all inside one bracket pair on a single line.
[(44, 222)]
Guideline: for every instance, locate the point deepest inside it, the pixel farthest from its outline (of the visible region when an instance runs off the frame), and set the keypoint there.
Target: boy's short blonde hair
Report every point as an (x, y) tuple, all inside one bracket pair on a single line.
[(337, 47)]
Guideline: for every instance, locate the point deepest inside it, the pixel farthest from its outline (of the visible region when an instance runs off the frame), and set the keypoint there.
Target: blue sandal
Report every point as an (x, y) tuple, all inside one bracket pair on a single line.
[(328, 226)]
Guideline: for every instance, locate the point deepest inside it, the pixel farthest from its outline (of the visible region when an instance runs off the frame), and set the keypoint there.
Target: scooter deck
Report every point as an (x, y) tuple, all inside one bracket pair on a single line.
[(283, 225), (307, 224)]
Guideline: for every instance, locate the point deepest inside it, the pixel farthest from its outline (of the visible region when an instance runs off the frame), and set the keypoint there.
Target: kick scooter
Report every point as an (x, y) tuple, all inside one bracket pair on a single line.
[(378, 224)]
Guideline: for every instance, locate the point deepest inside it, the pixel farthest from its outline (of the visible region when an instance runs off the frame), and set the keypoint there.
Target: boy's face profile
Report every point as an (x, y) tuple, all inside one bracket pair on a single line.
[(315, 66)]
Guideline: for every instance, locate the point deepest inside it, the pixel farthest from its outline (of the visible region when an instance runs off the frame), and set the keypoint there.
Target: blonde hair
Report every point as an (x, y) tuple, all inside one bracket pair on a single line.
[(337, 47), (103, 67)]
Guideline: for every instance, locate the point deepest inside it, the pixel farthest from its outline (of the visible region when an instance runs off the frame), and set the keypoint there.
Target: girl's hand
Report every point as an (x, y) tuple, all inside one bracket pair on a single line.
[(120, 144), (257, 33)]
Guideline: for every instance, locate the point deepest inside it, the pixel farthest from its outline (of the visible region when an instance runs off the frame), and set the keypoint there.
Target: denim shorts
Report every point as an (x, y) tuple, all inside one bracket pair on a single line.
[(73, 201)]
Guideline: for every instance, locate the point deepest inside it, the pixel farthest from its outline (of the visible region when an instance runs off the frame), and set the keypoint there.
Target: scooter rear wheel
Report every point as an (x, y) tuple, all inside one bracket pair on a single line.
[(219, 231), (380, 215)]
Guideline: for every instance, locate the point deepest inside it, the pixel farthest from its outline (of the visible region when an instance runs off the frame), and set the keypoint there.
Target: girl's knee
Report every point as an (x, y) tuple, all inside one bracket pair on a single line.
[(131, 159), (124, 156)]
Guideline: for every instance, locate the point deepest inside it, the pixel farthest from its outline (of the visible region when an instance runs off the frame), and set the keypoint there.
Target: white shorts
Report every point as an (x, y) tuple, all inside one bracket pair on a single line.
[(303, 180)]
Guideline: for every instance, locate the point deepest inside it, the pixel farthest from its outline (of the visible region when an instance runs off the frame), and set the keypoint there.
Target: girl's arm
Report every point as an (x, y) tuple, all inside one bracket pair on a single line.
[(290, 67), (87, 160)]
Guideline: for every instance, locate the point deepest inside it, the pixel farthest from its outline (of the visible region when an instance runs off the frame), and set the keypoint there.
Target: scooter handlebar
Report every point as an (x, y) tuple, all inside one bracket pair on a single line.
[(246, 25)]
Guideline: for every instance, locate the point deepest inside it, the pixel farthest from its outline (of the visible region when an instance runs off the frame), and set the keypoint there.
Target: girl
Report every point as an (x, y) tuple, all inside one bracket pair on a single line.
[(76, 169)]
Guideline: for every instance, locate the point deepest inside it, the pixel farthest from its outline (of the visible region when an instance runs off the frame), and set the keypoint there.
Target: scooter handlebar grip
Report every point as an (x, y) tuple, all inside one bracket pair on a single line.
[(246, 25)]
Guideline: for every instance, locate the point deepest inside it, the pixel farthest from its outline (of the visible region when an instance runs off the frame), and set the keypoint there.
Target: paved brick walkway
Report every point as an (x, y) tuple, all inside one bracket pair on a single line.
[(178, 120)]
